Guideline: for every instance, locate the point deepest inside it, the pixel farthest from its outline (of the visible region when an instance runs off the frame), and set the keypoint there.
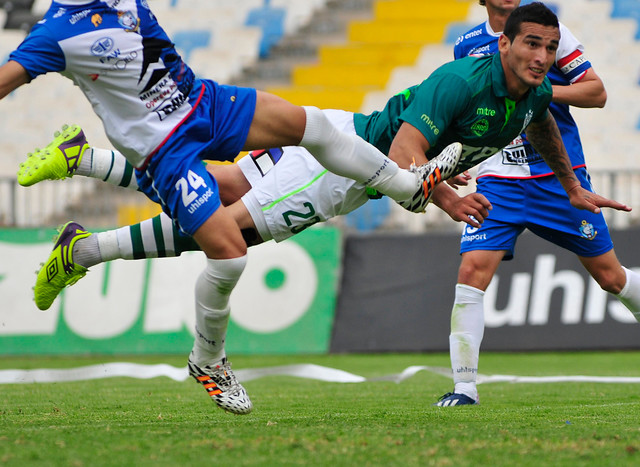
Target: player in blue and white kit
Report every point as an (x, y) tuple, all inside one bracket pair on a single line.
[(524, 194), (165, 121)]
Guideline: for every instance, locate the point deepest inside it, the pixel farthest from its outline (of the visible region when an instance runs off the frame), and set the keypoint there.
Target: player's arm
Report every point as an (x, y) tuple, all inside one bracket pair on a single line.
[(12, 76), (545, 137), (409, 146), (588, 92)]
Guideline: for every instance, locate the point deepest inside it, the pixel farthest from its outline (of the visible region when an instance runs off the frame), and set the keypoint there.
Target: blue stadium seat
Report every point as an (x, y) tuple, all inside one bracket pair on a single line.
[(271, 21), (627, 9), (187, 41), (370, 216)]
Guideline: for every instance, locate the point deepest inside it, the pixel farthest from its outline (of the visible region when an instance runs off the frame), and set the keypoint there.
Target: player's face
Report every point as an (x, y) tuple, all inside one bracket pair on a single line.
[(528, 58), (502, 6)]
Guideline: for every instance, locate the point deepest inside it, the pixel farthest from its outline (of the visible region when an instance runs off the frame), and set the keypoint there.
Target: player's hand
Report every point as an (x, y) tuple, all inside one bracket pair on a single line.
[(584, 199), (472, 209), (459, 180)]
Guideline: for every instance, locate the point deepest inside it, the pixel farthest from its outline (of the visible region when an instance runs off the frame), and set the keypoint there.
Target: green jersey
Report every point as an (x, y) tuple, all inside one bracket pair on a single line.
[(462, 101)]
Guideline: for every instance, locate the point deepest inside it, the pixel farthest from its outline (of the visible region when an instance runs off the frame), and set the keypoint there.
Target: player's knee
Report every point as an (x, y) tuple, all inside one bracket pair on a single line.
[(251, 237), (471, 274), (611, 281)]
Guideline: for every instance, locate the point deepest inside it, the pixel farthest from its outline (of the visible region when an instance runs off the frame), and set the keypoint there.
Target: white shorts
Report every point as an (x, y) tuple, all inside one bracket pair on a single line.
[(297, 191)]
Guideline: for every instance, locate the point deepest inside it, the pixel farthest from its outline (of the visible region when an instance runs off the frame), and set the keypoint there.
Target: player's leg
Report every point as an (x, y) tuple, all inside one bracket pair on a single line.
[(482, 251), (615, 279), (467, 323), (279, 123), (69, 154)]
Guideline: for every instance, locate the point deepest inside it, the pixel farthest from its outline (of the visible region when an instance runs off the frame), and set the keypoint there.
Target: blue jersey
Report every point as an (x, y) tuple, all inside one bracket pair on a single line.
[(118, 55), (519, 159)]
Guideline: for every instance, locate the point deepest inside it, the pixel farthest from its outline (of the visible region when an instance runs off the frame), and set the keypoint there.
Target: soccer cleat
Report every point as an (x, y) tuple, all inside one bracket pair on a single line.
[(59, 160), (59, 271), (451, 399), (222, 386), (430, 174)]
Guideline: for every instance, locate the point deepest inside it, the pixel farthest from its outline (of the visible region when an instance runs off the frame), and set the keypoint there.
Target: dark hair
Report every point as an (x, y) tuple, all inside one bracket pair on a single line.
[(535, 12)]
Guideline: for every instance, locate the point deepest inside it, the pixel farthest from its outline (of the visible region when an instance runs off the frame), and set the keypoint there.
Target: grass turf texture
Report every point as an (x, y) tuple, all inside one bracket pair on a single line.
[(124, 421)]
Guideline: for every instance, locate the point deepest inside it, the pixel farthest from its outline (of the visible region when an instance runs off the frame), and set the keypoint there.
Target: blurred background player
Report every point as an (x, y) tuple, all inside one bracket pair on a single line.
[(525, 195)]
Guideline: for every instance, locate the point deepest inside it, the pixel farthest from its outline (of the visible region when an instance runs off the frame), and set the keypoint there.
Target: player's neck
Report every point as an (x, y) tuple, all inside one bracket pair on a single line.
[(497, 20)]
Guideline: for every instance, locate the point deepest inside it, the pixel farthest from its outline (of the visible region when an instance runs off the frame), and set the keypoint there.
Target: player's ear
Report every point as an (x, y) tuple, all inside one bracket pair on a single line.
[(503, 43)]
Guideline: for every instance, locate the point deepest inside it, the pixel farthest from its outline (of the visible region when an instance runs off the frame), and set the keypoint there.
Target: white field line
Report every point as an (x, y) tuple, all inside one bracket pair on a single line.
[(309, 371)]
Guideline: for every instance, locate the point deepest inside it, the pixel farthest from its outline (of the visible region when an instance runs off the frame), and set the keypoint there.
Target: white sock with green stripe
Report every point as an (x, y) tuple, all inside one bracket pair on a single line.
[(152, 238), (109, 166)]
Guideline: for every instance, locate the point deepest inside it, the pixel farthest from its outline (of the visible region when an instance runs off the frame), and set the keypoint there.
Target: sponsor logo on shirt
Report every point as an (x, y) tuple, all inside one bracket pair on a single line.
[(96, 20), (485, 111), (477, 51), (78, 16), (432, 126), (102, 46), (480, 127), (60, 12)]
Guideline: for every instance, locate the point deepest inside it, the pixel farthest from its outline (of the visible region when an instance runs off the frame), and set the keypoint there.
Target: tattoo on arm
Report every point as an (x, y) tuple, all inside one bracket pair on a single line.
[(546, 138)]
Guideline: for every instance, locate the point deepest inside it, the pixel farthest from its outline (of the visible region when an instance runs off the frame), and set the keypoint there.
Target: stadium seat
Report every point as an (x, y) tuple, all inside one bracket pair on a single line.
[(369, 216), (627, 9), (271, 21), (187, 41)]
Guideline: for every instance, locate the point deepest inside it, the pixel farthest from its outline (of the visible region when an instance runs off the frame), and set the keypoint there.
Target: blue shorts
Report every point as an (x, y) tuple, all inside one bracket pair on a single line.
[(176, 177), (542, 206)]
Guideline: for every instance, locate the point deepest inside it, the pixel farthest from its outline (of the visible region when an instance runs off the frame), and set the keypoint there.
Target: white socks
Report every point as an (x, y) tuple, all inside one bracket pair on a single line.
[(467, 330), (213, 288), (350, 156), (629, 296), (109, 166)]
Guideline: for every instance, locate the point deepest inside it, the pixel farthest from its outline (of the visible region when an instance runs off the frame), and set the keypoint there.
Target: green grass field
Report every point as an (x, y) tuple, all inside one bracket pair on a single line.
[(125, 421)]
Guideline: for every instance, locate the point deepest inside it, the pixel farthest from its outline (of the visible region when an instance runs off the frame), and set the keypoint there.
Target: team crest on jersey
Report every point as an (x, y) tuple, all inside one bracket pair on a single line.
[(480, 127), (128, 21), (587, 230), (96, 20), (527, 120)]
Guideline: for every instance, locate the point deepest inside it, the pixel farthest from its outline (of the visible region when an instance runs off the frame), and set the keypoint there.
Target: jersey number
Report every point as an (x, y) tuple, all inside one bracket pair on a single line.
[(302, 215), (196, 181)]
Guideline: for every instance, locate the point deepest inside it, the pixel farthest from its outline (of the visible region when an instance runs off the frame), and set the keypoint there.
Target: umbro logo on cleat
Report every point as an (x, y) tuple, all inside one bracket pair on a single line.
[(52, 269)]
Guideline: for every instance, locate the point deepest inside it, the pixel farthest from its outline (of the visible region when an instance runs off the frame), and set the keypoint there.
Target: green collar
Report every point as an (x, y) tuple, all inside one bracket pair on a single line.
[(498, 79)]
